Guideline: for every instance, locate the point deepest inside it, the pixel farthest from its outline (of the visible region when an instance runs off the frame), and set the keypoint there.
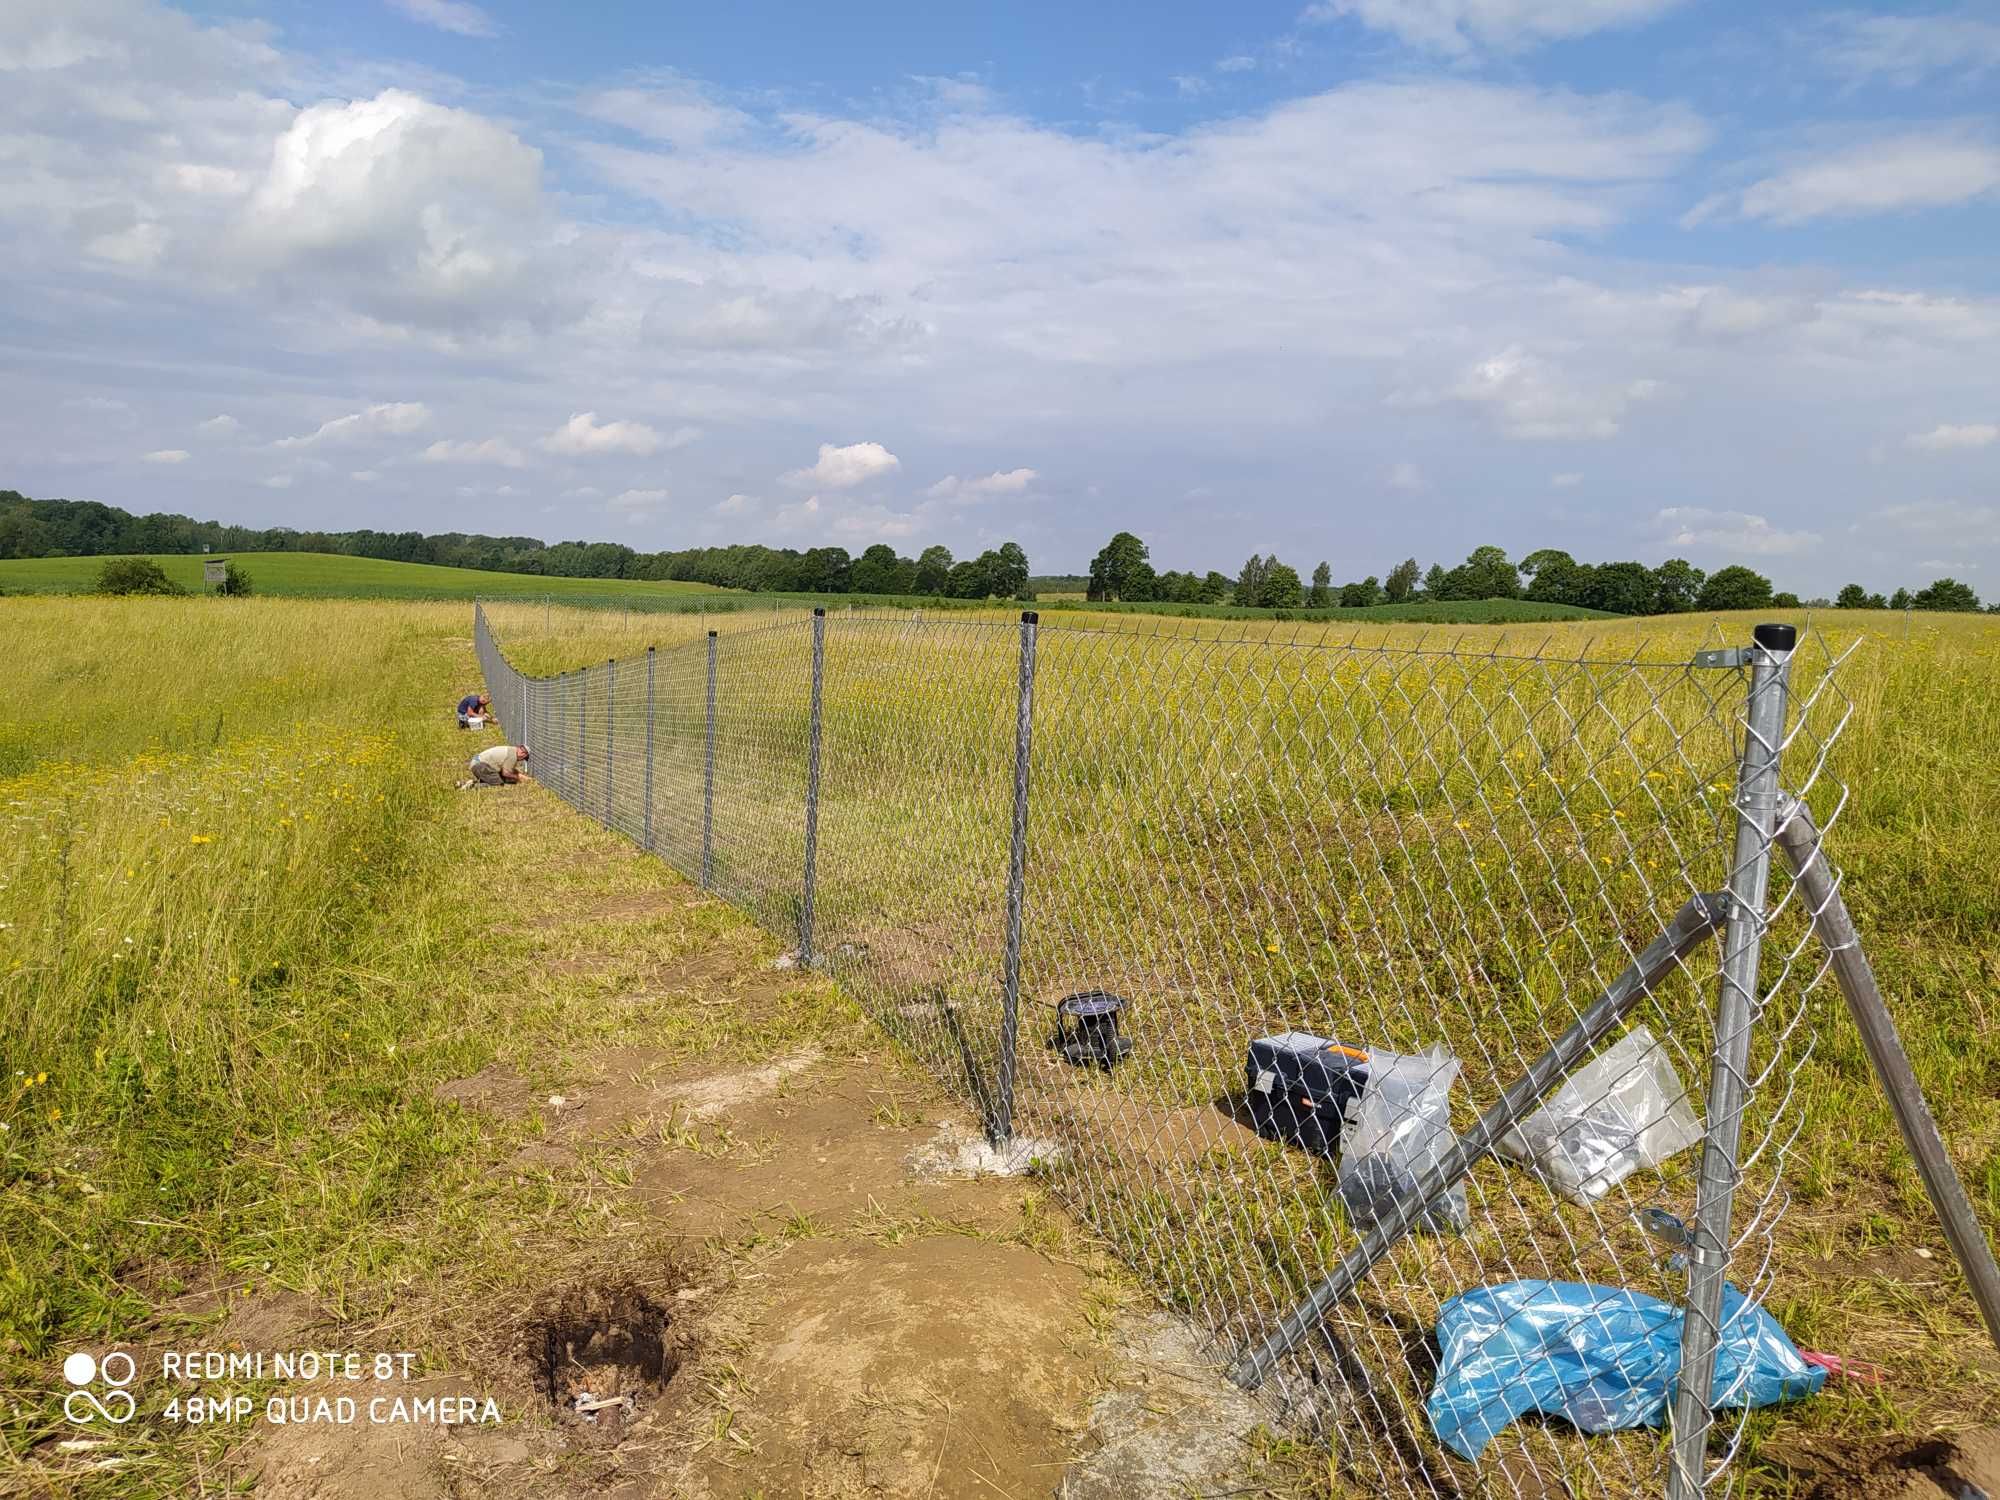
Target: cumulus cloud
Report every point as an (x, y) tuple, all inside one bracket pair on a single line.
[(364, 476), (1900, 173), (583, 435), (492, 450), (223, 425), (1945, 437), (736, 505), (167, 456), (449, 15), (1011, 482), (1457, 27), (278, 482), (1732, 532), (388, 419), (843, 468), (412, 212), (1534, 400)]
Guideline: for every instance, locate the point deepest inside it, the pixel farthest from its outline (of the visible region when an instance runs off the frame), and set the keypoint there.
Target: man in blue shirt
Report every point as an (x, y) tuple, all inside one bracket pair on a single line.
[(470, 704)]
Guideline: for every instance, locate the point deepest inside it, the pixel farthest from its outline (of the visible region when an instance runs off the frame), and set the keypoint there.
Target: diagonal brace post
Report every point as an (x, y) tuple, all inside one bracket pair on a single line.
[(1702, 916), (1798, 841)]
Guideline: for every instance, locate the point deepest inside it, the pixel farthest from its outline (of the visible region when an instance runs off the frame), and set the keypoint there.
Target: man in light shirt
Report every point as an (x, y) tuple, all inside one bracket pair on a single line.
[(497, 765)]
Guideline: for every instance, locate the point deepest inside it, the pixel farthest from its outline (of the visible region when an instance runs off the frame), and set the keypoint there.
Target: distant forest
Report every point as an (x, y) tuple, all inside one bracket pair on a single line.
[(1121, 571), (85, 528)]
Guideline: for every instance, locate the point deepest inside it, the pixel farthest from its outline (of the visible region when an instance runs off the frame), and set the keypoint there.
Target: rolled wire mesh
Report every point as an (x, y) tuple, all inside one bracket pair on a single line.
[(1390, 849)]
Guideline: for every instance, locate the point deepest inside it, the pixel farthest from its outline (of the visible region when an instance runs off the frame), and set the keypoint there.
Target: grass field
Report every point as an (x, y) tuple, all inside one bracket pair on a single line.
[(318, 575), (241, 938), (312, 575)]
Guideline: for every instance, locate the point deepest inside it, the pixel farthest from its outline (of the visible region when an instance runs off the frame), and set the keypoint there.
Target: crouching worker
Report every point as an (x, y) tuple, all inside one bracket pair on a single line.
[(471, 706), (497, 765)]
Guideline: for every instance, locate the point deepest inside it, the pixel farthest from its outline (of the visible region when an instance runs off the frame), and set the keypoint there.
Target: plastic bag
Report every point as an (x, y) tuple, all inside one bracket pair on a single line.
[(1402, 1126), (1603, 1358), (1622, 1111)]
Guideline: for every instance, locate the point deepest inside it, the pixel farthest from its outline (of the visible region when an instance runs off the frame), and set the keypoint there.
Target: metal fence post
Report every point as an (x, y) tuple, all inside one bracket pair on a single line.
[(582, 732), (708, 779), (1002, 1124), (1737, 1002), (610, 731), (649, 752), (812, 786)]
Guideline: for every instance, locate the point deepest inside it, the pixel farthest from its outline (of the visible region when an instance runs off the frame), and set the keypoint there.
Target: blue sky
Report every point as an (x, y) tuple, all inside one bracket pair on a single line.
[(1354, 280)]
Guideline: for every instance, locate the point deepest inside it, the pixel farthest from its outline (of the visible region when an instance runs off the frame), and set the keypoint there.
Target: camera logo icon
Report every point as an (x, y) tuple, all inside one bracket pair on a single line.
[(84, 1405)]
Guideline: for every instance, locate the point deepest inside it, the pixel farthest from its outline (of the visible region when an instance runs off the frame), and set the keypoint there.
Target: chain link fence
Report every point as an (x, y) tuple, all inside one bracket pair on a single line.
[(1260, 948)]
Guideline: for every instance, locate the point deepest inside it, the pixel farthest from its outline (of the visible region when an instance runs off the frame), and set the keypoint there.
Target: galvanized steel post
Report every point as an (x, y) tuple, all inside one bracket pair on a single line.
[(582, 732), (649, 752), (812, 786), (610, 731), (1737, 1003), (708, 778), (1001, 1126)]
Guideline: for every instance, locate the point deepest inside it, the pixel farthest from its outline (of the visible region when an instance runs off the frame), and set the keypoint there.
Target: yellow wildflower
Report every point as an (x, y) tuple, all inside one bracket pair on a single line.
[(200, 838)]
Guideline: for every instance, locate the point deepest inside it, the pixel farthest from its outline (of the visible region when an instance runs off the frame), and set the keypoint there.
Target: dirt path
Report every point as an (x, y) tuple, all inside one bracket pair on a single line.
[(776, 1293)]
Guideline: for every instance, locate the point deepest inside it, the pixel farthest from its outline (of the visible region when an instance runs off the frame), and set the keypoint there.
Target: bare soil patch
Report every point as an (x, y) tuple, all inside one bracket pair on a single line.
[(1961, 1466), (943, 1366)]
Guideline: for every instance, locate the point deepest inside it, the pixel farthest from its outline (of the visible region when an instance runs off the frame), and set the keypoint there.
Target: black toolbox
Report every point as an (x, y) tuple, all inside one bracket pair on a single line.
[(1301, 1086)]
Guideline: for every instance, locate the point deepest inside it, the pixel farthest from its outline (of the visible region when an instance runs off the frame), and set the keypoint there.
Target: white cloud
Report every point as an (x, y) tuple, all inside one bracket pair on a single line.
[(412, 213), (219, 426), (449, 15), (1566, 481), (1534, 400), (1236, 62), (1734, 532), (1917, 170), (1731, 315), (278, 482), (1907, 49), (1406, 476), (1968, 525), (1459, 26), (671, 109), (1011, 482), (843, 468), (364, 476), (492, 450), (638, 504), (736, 505), (389, 419), (1945, 437), (724, 315), (1190, 87), (167, 456), (582, 492), (584, 435)]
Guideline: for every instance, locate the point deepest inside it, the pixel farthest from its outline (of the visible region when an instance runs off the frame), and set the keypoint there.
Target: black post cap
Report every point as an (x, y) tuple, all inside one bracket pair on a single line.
[(711, 635), (1029, 617), (820, 611), (1776, 637)]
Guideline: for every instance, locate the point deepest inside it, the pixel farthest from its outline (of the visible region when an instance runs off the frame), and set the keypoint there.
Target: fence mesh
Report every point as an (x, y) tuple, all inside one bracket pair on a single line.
[(1433, 853)]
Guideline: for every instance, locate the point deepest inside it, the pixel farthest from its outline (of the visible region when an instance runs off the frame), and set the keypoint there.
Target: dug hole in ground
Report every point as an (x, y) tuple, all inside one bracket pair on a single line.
[(762, 1268)]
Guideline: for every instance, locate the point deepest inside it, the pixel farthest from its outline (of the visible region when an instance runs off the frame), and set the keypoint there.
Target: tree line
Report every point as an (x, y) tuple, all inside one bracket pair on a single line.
[(86, 528), (1123, 571)]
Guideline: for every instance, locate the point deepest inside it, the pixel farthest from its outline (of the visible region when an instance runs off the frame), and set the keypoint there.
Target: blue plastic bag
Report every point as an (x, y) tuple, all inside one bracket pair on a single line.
[(1600, 1357)]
